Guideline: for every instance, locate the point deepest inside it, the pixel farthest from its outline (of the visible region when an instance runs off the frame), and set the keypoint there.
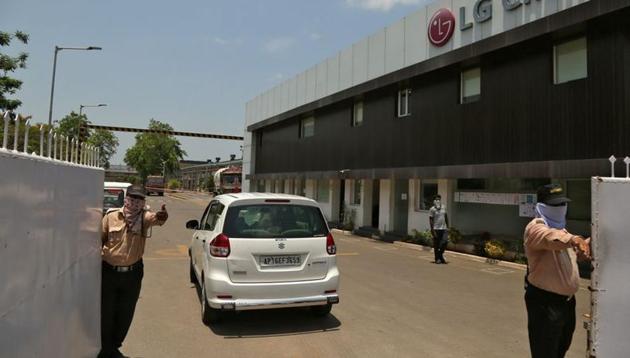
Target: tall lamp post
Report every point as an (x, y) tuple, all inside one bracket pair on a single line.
[(52, 87), (90, 106)]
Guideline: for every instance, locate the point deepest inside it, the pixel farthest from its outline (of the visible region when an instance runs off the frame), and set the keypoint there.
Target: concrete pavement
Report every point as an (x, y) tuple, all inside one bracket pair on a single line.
[(394, 303)]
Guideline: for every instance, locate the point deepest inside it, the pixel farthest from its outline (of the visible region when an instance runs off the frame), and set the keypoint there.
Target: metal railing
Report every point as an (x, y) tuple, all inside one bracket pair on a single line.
[(613, 160), (58, 146)]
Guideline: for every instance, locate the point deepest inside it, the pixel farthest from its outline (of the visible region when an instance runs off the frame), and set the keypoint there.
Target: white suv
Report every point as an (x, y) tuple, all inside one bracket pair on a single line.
[(259, 251)]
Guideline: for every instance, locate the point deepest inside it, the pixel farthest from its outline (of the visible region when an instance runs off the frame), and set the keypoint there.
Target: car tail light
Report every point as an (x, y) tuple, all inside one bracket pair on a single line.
[(220, 246), (331, 248)]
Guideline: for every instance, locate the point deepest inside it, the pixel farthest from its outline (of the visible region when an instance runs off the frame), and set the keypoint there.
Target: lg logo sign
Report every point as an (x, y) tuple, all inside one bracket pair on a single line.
[(441, 27)]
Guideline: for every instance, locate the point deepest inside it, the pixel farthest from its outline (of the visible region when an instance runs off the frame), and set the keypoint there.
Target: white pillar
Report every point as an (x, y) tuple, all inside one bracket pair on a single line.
[(386, 206)]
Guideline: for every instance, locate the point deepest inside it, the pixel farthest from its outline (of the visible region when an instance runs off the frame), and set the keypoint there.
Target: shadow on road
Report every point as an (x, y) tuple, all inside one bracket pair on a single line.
[(274, 322)]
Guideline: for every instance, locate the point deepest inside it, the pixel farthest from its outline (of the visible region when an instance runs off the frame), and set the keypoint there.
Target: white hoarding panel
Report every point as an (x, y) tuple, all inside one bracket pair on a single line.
[(277, 100), (332, 80), (376, 55), (301, 89), (415, 37), (432, 8), (321, 86), (311, 83), (610, 298), (50, 260), (359, 62), (345, 69), (293, 92), (284, 97), (395, 46)]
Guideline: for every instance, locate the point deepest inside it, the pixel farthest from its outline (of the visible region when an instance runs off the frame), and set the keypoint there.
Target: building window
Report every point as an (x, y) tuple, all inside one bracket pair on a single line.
[(323, 190), (470, 85), (357, 114), (403, 103), (426, 190), (570, 61), (471, 184), (307, 127), (355, 198)]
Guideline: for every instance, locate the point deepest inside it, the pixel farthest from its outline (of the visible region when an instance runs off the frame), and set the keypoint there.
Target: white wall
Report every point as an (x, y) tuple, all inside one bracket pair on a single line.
[(50, 261), (386, 206)]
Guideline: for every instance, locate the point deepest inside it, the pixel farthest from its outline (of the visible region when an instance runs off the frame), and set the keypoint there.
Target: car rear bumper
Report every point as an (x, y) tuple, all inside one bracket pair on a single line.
[(261, 304)]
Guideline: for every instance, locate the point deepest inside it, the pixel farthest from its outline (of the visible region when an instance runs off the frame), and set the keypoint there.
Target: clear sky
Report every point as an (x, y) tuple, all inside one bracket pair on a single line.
[(191, 63)]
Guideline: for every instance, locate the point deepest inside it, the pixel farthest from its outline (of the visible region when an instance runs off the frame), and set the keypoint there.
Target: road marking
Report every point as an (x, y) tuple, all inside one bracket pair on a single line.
[(497, 271), (348, 254), (385, 248), (180, 250)]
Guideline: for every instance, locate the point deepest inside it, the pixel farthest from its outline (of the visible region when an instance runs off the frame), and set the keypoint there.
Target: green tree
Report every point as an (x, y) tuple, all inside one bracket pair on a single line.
[(106, 142), (8, 64), (74, 125), (154, 153)]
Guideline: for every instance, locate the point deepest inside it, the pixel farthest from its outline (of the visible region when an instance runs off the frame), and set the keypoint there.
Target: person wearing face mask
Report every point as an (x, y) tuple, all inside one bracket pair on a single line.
[(552, 277), (124, 233), (438, 220)]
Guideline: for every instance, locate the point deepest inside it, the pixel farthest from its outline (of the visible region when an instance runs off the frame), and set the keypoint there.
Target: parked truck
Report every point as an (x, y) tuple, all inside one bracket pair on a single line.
[(155, 184), (227, 180)]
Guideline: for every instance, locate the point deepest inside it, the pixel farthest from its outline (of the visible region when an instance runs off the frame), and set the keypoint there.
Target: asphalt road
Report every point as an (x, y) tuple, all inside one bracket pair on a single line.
[(394, 303)]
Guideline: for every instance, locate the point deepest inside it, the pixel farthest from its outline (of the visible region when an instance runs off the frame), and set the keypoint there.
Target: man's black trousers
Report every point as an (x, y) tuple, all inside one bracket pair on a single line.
[(439, 245), (550, 322), (120, 292)]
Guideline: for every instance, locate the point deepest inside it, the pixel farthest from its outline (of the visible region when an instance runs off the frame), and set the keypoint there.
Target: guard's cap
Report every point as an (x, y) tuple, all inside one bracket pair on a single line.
[(551, 194), (136, 190)]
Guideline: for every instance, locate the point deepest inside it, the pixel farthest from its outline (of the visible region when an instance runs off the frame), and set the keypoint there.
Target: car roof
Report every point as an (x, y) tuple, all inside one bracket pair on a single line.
[(231, 198), (115, 184)]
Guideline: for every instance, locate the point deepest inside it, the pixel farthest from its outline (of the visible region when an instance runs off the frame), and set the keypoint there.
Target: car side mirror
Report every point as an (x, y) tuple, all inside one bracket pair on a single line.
[(192, 224)]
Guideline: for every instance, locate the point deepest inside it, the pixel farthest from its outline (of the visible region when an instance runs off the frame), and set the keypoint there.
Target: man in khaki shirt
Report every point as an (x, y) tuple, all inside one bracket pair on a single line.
[(124, 233), (552, 275)]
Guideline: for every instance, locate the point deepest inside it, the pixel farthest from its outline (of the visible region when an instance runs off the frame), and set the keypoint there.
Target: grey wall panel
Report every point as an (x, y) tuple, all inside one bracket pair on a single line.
[(415, 37), (395, 46), (332, 80), (293, 92), (345, 69), (376, 55), (359, 62), (321, 88), (284, 96), (311, 84), (277, 100), (301, 89)]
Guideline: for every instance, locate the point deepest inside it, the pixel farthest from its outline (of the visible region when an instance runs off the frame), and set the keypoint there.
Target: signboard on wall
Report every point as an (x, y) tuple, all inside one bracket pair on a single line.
[(526, 202)]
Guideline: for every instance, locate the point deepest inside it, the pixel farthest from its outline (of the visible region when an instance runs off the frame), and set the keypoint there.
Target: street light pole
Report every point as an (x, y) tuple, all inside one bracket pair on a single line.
[(90, 106), (52, 86)]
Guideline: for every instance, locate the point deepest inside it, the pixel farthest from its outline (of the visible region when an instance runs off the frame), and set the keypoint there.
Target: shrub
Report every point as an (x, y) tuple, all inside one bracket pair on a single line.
[(454, 235), (348, 218), (494, 249), (174, 184)]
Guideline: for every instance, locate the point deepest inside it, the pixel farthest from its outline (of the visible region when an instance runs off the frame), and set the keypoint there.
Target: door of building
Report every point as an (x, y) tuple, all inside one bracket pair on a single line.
[(401, 207), (342, 204), (376, 195)]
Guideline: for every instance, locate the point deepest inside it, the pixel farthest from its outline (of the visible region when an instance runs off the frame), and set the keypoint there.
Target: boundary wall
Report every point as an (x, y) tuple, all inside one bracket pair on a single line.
[(50, 261)]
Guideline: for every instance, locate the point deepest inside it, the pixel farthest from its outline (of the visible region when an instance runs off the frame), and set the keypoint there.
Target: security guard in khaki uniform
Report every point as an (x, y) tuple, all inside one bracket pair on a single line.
[(124, 232), (552, 275)]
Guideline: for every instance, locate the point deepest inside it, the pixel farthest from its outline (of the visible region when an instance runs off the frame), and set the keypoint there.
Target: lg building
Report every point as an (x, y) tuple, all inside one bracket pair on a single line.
[(478, 101)]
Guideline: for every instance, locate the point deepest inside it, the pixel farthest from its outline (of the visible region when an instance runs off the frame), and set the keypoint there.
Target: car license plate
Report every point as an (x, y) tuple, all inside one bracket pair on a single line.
[(285, 260)]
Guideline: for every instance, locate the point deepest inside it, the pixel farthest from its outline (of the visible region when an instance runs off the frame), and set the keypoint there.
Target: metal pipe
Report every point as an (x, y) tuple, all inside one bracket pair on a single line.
[(67, 148), (5, 137), (61, 139), (27, 125), (16, 134), (54, 156), (98, 157), (50, 139), (72, 156), (41, 140)]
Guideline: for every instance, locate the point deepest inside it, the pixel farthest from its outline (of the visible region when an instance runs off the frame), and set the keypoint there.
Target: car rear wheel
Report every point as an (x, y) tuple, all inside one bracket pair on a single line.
[(209, 315), (321, 311)]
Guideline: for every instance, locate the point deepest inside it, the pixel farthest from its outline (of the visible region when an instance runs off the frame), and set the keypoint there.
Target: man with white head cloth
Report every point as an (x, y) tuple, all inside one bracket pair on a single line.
[(552, 274)]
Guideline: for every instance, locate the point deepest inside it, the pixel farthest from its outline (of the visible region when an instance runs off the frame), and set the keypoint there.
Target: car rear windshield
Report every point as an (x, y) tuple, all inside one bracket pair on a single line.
[(271, 221)]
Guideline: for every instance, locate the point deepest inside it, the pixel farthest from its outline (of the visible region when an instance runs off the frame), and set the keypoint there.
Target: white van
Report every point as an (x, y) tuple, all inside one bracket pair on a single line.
[(114, 195)]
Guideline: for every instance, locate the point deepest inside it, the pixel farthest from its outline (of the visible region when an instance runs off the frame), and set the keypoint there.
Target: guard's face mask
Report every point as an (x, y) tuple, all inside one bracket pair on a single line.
[(437, 203)]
